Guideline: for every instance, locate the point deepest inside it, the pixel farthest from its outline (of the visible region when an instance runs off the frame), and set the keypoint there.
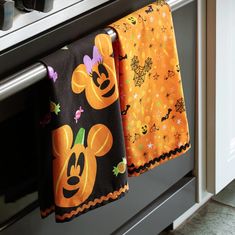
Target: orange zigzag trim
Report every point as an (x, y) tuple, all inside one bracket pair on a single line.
[(113, 196), (47, 211)]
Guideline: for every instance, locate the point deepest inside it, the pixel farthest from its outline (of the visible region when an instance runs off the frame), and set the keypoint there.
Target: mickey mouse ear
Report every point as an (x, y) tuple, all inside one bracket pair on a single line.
[(100, 140), (80, 137), (97, 58), (88, 63)]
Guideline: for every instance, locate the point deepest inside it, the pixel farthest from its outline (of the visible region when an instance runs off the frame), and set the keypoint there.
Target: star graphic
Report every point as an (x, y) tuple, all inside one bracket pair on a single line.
[(178, 121), (177, 135), (156, 76), (163, 29), (150, 145), (128, 137)]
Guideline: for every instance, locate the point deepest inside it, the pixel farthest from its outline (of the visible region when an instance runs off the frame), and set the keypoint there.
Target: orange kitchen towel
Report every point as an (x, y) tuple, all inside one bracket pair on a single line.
[(152, 101)]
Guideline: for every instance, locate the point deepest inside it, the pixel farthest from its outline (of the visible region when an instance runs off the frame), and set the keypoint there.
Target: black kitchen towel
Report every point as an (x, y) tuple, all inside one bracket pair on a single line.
[(83, 164)]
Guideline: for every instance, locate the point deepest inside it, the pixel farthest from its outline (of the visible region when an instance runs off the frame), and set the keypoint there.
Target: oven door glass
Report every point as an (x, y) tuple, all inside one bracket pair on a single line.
[(18, 164)]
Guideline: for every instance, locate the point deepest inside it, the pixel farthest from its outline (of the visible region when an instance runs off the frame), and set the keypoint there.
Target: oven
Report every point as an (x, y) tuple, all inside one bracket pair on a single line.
[(33, 29)]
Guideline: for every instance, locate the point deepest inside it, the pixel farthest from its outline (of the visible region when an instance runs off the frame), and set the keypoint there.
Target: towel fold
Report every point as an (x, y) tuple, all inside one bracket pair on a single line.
[(84, 167), (152, 102)]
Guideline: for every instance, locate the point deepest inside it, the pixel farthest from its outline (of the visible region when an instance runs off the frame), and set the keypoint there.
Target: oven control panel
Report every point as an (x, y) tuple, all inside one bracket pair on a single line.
[(23, 19), (7, 9), (6, 14), (38, 5)]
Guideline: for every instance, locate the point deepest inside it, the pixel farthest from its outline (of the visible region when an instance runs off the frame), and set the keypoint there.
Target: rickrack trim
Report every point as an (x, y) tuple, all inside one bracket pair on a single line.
[(113, 196), (95, 203), (47, 211), (132, 170)]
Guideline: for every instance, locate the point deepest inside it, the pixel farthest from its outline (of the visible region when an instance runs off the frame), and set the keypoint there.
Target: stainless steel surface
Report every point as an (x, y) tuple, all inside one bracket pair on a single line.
[(27, 25), (21, 80), (111, 33), (32, 206), (176, 4), (6, 14), (36, 72), (38, 5)]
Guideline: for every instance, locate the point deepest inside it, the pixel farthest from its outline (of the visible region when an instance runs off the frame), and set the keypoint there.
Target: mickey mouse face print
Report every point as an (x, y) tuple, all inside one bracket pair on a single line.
[(97, 75)]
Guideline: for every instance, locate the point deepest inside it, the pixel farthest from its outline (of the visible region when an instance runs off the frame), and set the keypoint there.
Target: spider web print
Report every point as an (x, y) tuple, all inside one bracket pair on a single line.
[(140, 71), (180, 106)]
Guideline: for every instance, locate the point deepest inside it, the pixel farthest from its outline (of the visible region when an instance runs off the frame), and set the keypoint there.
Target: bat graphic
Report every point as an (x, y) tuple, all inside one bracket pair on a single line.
[(122, 57), (136, 137), (150, 9), (124, 112), (170, 74), (154, 128), (167, 115), (126, 27), (178, 68), (141, 19)]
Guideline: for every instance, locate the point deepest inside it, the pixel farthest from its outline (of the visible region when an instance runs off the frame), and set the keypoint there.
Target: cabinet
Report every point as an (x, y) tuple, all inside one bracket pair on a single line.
[(220, 94)]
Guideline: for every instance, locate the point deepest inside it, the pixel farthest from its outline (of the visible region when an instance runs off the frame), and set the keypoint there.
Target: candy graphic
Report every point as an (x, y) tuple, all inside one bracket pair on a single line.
[(52, 74), (78, 114), (120, 168), (54, 108)]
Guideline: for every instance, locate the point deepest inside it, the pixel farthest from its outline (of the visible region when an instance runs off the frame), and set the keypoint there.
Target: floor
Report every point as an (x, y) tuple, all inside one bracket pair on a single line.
[(217, 217)]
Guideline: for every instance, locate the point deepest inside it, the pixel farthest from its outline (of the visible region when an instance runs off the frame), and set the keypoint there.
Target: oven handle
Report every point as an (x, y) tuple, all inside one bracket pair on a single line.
[(31, 75), (23, 79)]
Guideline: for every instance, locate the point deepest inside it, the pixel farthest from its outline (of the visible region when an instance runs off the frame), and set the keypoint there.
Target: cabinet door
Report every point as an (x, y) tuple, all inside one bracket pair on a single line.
[(220, 94)]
